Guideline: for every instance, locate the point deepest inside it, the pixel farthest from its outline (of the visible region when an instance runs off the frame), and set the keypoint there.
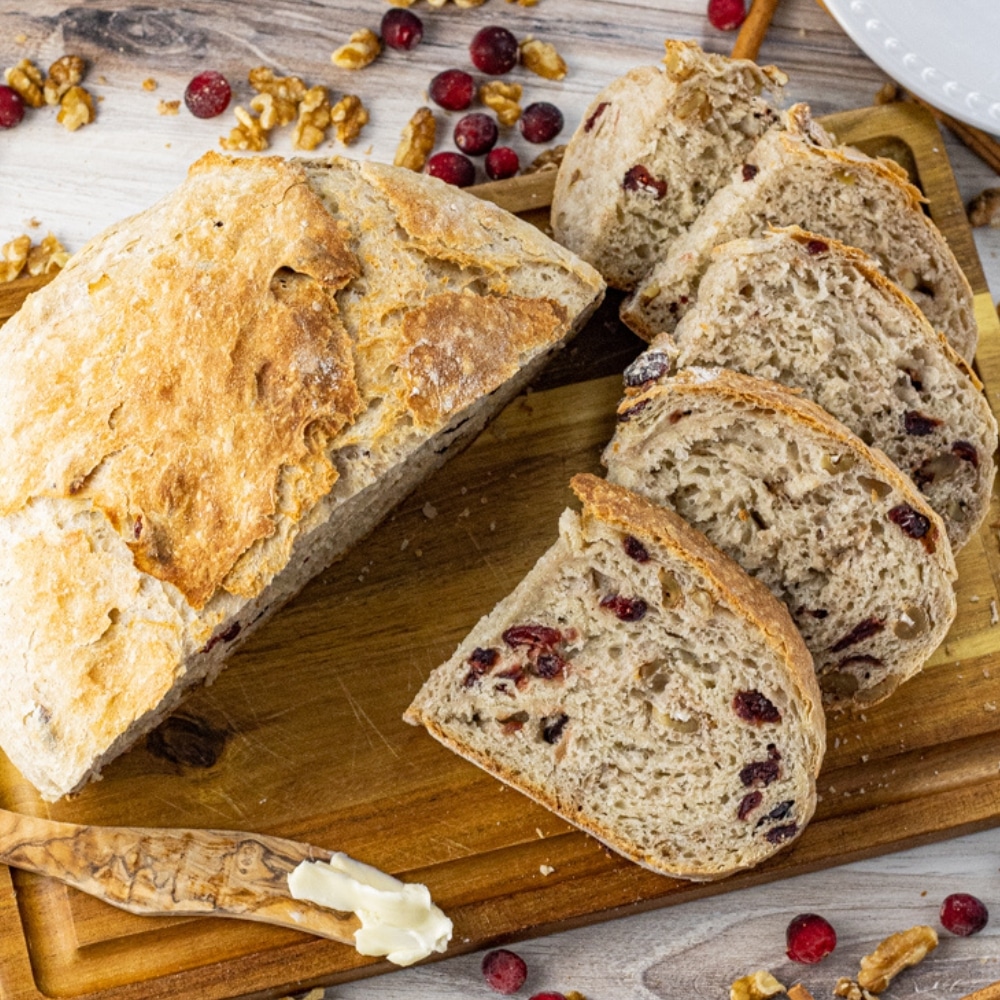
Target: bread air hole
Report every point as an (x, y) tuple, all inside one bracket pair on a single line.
[(874, 487)]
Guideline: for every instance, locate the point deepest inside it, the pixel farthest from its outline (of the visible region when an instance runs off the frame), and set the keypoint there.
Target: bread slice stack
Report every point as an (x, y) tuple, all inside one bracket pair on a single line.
[(642, 686), (651, 150), (215, 399), (813, 314), (795, 177), (830, 525)]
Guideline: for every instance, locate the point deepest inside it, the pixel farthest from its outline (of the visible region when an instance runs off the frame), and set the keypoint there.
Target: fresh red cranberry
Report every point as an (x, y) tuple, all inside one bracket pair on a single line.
[(501, 163), (810, 939), (401, 29), (963, 914), (493, 50), (541, 122), (548, 995), (11, 107), (726, 15), (476, 134), (504, 971), (452, 168), (453, 89), (208, 94)]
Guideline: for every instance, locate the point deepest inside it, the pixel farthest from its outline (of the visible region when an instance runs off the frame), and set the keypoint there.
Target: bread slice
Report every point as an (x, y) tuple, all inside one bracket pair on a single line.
[(641, 685), (652, 148), (215, 399), (799, 180), (812, 313), (802, 504)]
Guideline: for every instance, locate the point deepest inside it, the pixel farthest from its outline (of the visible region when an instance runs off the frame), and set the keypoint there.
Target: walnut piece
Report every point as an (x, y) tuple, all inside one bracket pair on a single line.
[(984, 209), (897, 952), (549, 159), (350, 116), (65, 72), (542, 58), (314, 119), (417, 141), (13, 256), (149, 84), (48, 256), (168, 107), (402, 3), (798, 992), (277, 98), (524, 3), (888, 93), (361, 50), (75, 109), (26, 78), (849, 990), (503, 99), (757, 986), (248, 136), (467, 4)]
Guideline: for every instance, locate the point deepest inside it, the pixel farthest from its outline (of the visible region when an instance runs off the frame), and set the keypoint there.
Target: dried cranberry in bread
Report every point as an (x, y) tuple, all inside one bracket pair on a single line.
[(215, 399), (796, 178), (641, 685), (652, 148), (831, 526), (816, 315)]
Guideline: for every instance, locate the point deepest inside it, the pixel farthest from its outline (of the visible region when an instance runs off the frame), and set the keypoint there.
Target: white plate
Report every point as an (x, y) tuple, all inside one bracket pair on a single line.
[(945, 51)]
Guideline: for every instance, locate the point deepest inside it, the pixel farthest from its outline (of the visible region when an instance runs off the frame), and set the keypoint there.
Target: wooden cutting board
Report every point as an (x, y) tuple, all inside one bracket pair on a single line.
[(302, 736)]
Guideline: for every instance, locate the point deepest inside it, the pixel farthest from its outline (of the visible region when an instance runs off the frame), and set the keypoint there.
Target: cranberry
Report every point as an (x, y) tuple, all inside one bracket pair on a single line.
[(810, 939), (760, 772), (726, 15), (541, 122), (626, 609), (779, 834), (549, 666), (401, 29), (638, 178), (11, 107), (648, 367), (548, 995), (966, 452), (750, 171), (592, 120), (963, 914), (552, 728), (452, 89), (475, 134), (863, 630), (919, 424), (911, 521), (816, 247), (748, 803), (780, 811), (208, 94), (452, 168), (626, 415), (536, 636), (504, 971), (752, 706), (501, 163), (494, 50), (634, 549)]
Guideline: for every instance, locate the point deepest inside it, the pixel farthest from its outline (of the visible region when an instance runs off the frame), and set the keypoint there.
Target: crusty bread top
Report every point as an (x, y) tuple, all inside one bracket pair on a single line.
[(747, 596), (209, 326)]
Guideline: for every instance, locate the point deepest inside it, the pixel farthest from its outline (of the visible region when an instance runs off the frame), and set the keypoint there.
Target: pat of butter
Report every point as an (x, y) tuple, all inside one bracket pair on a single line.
[(398, 919)]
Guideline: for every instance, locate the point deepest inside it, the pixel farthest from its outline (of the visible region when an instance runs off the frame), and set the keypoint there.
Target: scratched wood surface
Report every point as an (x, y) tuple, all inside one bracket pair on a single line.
[(301, 737)]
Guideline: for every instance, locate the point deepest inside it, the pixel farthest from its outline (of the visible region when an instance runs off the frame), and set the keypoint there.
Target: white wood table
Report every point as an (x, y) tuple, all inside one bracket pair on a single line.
[(75, 184)]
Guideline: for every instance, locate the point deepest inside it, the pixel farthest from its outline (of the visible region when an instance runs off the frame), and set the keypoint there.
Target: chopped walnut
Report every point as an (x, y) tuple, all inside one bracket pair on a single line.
[(417, 141), (13, 256), (149, 84), (314, 119), (272, 111), (168, 107), (503, 99), (437, 3), (467, 4), (362, 49), (48, 256), (402, 3), (350, 117), (64, 73), (849, 990), (75, 109), (277, 96), (26, 78), (247, 136), (757, 986), (895, 953), (524, 3), (888, 93), (984, 209), (798, 992), (547, 160), (542, 58)]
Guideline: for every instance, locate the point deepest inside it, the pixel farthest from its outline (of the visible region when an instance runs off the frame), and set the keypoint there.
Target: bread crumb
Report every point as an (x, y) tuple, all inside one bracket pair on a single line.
[(429, 511), (418, 552), (149, 84), (21, 38), (465, 512), (493, 526), (974, 599), (404, 545), (541, 836), (546, 869), (864, 758), (989, 706), (994, 617), (168, 107)]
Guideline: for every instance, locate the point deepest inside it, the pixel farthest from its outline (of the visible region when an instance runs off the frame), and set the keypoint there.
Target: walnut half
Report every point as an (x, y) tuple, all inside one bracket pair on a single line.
[(417, 141), (760, 985), (362, 48), (897, 952)]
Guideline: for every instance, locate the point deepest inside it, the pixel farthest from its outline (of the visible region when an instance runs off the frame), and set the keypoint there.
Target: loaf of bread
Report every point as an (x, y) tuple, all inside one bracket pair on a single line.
[(831, 526), (650, 151), (641, 685), (215, 399), (809, 312), (794, 177)]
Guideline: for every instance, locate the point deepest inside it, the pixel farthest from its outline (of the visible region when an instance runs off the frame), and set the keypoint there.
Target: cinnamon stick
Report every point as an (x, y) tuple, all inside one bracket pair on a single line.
[(753, 29)]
